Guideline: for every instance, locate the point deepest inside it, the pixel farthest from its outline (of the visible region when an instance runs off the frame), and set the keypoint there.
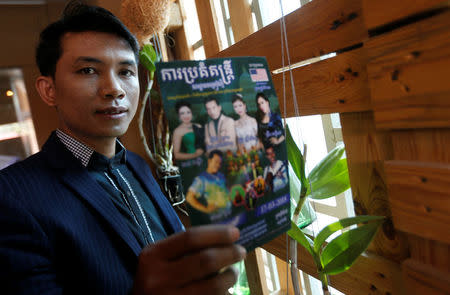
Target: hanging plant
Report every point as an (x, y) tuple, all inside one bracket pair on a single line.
[(146, 19), (161, 155)]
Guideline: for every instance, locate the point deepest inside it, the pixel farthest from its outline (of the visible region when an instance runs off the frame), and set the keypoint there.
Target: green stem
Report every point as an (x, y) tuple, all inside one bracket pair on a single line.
[(301, 202), (293, 244), (294, 268), (324, 279), (141, 120)]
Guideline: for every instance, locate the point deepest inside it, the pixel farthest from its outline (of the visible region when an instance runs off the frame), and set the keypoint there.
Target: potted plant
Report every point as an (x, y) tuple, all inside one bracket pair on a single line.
[(327, 179)]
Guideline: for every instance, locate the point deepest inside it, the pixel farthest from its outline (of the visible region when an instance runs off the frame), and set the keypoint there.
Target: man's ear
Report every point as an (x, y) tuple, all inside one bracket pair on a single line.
[(45, 86)]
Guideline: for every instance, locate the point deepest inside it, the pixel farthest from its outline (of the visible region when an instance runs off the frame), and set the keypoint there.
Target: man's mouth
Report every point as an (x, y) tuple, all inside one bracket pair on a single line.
[(112, 111)]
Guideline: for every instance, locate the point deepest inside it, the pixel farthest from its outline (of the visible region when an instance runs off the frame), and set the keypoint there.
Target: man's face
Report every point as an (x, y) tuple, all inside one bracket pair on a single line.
[(214, 164), (96, 86), (270, 154), (213, 109)]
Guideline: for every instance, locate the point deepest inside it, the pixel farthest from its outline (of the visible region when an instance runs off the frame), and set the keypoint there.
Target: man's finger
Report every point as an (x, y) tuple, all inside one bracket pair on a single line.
[(215, 285), (196, 238), (205, 263)]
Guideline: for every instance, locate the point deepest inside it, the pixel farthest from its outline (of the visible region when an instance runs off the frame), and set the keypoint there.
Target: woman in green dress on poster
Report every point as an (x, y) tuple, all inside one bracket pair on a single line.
[(188, 144)]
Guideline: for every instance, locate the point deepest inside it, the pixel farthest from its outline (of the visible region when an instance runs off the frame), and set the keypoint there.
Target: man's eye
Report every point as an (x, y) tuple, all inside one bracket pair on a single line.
[(126, 73), (87, 71)]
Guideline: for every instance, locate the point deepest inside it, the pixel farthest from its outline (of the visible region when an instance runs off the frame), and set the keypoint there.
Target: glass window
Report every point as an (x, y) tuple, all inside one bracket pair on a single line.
[(17, 136)]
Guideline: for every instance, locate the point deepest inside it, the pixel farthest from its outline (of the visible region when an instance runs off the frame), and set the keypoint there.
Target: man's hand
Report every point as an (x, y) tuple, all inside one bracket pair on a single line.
[(193, 262)]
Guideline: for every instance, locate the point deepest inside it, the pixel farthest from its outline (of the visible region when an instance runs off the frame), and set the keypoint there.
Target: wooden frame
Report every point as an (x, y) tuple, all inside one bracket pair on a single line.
[(390, 73)]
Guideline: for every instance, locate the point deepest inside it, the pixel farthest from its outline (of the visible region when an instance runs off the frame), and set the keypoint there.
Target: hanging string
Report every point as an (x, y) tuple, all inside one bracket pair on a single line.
[(158, 45), (285, 50), (158, 52), (284, 42), (285, 124), (282, 65), (287, 264)]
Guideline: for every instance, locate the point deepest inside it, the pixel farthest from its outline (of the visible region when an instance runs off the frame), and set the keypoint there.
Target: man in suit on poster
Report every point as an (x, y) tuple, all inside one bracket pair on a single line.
[(220, 133), (84, 215)]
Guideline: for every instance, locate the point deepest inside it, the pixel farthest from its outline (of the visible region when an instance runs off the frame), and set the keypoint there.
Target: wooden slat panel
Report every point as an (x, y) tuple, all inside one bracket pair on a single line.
[(380, 12), (175, 17), (183, 50), (408, 74), (430, 145), (241, 19), (370, 274), (419, 195), (256, 276), (316, 28), (208, 26), (286, 287), (430, 252), (334, 85), (423, 279), (422, 111), (366, 149)]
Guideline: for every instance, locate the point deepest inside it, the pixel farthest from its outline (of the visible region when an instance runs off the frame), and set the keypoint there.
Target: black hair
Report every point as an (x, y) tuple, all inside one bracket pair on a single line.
[(78, 17), (212, 98), (269, 146), (215, 152), (237, 97), (259, 113), (181, 104), (261, 94)]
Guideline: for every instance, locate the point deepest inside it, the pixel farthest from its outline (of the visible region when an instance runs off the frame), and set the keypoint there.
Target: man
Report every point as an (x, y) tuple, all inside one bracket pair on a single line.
[(208, 192), (85, 216), (275, 173), (219, 131)]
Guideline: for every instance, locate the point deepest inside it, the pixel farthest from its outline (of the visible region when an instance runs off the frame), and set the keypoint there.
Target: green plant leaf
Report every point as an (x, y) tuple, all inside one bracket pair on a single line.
[(150, 50), (148, 57), (339, 225), (342, 252), (327, 163), (295, 158), (301, 238), (146, 61), (334, 181)]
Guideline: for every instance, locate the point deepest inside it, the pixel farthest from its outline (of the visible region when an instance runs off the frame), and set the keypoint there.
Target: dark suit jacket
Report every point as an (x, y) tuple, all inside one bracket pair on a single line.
[(60, 233)]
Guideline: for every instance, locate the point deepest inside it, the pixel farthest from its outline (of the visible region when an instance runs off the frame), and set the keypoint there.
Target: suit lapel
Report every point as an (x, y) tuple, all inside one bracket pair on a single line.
[(144, 175), (75, 176), (89, 190)]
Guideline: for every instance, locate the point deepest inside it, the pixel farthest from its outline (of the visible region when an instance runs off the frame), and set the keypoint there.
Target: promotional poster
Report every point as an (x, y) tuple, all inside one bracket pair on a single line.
[(229, 143)]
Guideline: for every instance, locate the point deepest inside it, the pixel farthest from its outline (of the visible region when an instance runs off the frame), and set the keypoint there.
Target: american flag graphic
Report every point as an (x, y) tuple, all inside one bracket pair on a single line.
[(258, 75)]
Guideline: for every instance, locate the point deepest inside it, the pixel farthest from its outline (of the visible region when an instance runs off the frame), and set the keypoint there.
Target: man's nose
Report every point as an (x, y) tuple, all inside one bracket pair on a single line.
[(111, 87)]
